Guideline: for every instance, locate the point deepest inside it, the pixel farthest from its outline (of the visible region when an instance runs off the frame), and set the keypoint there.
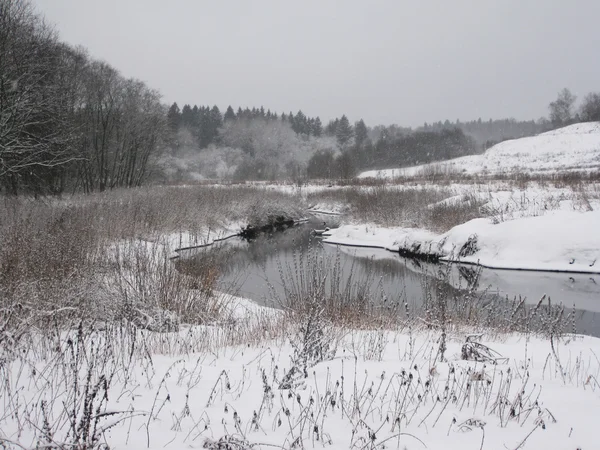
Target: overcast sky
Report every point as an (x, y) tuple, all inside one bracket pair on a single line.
[(396, 61)]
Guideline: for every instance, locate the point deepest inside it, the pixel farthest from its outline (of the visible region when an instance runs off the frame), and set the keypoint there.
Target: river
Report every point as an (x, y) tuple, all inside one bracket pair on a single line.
[(255, 270)]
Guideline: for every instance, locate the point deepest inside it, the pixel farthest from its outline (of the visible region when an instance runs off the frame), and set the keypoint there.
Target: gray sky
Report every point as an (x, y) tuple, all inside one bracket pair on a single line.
[(395, 61)]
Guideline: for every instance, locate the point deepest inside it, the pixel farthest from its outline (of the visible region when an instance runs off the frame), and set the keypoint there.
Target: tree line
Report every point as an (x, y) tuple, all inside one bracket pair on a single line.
[(68, 121), (564, 112), (71, 122)]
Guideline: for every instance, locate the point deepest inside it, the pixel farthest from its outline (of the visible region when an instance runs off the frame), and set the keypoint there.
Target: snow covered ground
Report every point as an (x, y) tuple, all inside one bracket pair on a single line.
[(557, 241), (536, 227), (576, 147), (566, 241), (220, 384), (377, 389), (533, 228)]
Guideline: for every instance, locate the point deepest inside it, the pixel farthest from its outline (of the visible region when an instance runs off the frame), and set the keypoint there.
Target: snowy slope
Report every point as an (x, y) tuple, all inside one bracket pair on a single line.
[(565, 241), (575, 147)]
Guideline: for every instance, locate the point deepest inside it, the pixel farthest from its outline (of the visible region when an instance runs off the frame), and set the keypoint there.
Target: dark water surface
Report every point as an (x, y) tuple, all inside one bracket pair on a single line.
[(255, 270)]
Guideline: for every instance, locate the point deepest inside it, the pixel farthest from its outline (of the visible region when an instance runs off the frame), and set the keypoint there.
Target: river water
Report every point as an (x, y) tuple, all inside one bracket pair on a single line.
[(256, 270)]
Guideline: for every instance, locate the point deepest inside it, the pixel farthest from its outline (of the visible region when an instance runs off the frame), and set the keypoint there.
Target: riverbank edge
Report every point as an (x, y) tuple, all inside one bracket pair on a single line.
[(461, 245), (227, 234)]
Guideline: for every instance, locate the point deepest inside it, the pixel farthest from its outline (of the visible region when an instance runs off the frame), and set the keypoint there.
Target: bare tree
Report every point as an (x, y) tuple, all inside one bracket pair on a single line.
[(561, 110), (34, 119), (64, 117), (590, 108), (122, 123)]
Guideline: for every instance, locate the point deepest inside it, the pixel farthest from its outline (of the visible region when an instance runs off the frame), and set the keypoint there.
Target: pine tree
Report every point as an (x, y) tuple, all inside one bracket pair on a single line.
[(344, 132), (229, 114), (300, 124), (360, 133), (317, 127), (174, 117), (187, 117), (331, 127), (216, 122)]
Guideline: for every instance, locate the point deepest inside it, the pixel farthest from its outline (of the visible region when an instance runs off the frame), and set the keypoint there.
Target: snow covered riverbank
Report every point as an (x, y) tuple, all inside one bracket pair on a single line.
[(543, 226), (566, 241)]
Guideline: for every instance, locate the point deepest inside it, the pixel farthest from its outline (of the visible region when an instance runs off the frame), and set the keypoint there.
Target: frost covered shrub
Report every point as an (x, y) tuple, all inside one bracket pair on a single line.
[(147, 289), (389, 206), (92, 257), (193, 164), (443, 216), (313, 342)]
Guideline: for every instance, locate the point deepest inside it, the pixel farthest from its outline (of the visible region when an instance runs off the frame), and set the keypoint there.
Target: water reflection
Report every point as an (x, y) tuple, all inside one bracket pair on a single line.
[(255, 270)]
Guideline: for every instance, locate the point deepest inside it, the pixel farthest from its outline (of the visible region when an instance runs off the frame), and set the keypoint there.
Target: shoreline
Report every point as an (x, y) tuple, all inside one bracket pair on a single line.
[(557, 242)]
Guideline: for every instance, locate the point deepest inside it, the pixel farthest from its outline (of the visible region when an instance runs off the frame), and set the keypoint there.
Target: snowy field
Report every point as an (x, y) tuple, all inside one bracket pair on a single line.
[(118, 388), (576, 147), (158, 359)]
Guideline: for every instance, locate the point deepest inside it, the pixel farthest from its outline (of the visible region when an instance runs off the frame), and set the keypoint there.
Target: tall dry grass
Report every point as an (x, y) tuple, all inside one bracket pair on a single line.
[(100, 255)]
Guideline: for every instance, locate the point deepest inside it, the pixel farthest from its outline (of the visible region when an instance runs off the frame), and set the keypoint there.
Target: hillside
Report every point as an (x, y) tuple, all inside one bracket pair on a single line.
[(576, 147)]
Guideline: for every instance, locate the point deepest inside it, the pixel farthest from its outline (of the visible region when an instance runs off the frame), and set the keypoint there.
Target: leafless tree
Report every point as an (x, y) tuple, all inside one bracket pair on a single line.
[(590, 108), (34, 122), (561, 110), (66, 119)]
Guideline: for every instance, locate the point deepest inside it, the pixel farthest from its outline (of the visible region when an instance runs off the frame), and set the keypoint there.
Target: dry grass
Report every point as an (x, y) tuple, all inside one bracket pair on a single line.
[(411, 207), (103, 256), (88, 301), (443, 175)]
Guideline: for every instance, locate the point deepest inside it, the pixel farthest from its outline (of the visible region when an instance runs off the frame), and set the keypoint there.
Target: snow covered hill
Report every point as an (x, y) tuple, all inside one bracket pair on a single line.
[(576, 147)]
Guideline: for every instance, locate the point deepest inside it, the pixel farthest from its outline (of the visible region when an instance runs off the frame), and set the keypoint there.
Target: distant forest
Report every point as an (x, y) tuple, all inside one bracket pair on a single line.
[(338, 149), (71, 123)]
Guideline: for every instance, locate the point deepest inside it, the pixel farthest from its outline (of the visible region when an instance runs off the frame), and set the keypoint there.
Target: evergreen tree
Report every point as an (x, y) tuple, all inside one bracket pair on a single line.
[(174, 117), (317, 127), (344, 132), (229, 114), (215, 122), (187, 117), (360, 133), (331, 127), (300, 123)]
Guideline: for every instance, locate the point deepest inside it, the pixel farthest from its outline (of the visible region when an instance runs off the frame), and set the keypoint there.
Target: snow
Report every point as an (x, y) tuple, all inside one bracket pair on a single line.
[(566, 241), (328, 208), (575, 147), (558, 241), (176, 242), (536, 227), (240, 308), (380, 388)]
